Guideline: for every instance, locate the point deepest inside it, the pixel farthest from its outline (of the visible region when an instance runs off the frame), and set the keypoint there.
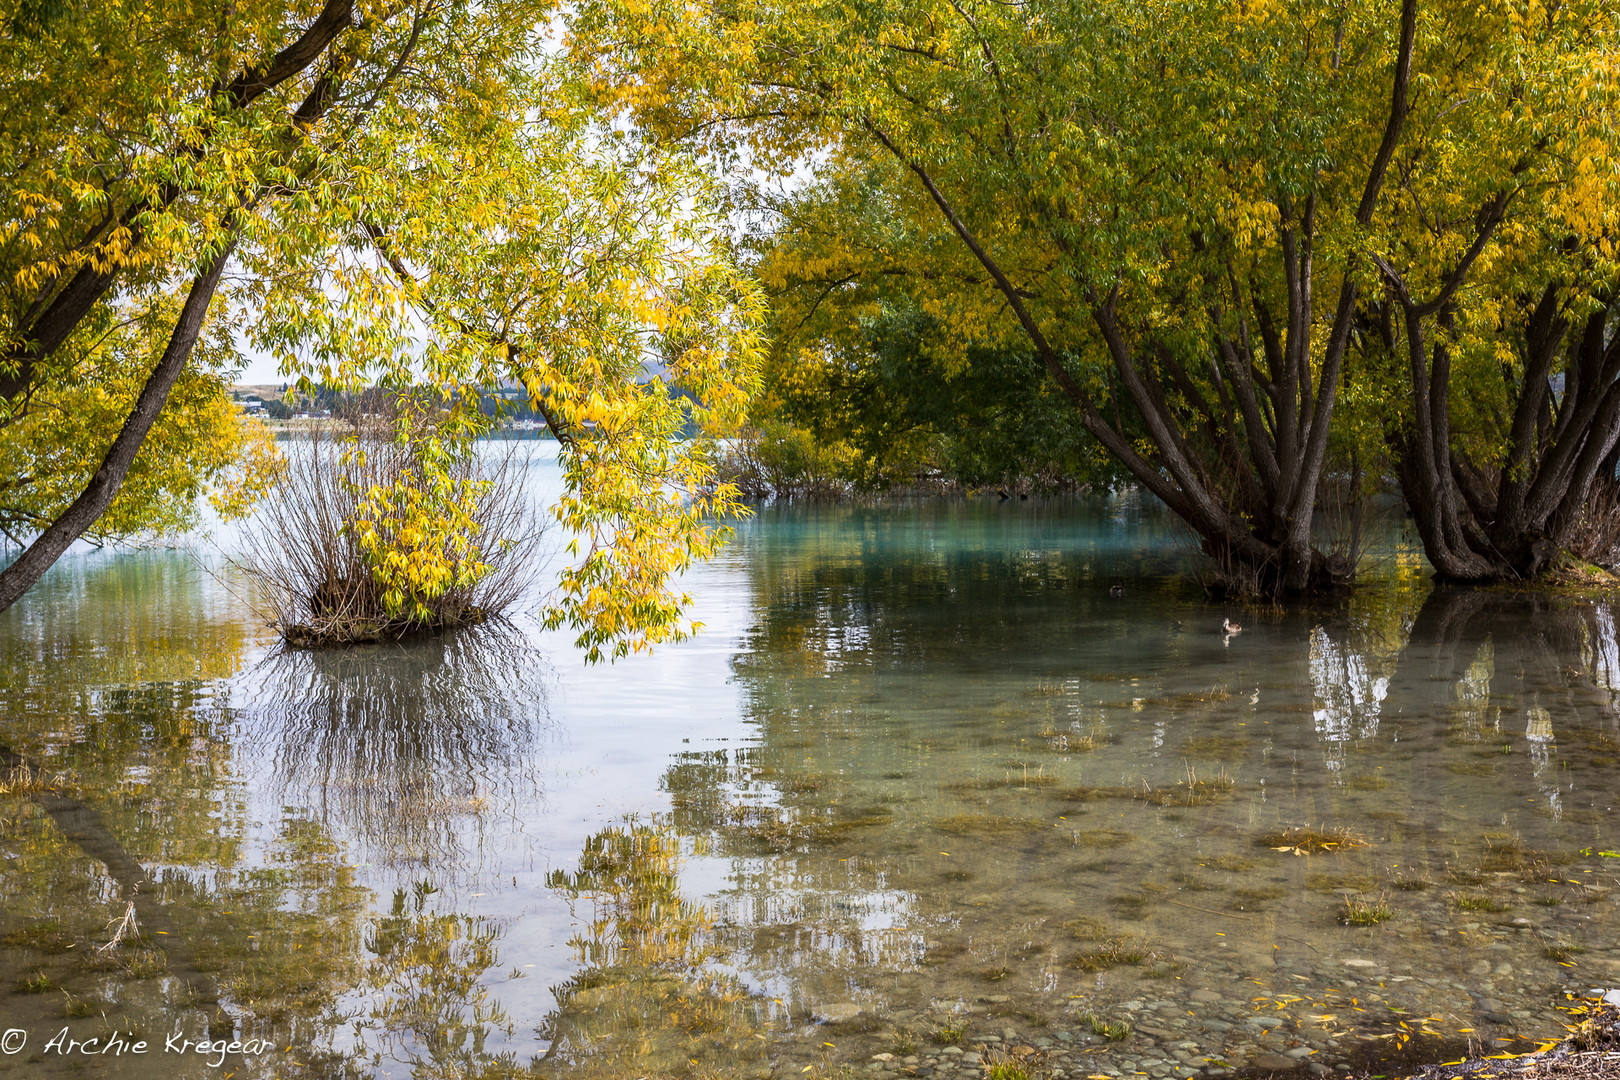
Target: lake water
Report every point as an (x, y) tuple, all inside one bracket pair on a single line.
[(923, 795)]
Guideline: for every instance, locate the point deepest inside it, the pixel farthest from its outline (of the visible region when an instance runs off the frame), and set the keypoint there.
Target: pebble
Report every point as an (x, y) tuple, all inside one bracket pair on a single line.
[(837, 1012), (1205, 997), (1274, 1062)]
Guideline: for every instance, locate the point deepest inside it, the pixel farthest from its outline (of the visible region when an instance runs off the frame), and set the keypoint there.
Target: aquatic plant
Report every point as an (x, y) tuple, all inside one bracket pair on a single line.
[(35, 982), (985, 825), (1193, 790), (46, 937), (1464, 902), (1234, 863), (1507, 854), (1359, 912), (1561, 951), (1018, 1063), (21, 778), (76, 1008), (1115, 952), (330, 543), (1307, 840), (1112, 1030), (1130, 905), (1070, 741), (1022, 778), (1084, 928), (949, 1032), (1193, 882), (903, 1042), (1410, 883)]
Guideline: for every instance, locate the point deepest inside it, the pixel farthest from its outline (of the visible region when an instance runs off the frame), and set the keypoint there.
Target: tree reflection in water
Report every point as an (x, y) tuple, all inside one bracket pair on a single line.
[(652, 998), (399, 744)]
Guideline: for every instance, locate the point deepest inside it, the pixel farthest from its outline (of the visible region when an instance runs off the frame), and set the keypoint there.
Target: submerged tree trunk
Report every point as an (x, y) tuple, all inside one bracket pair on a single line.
[(1510, 518)]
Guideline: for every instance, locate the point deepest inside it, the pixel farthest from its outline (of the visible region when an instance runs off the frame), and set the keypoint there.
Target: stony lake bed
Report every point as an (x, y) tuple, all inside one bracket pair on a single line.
[(923, 799)]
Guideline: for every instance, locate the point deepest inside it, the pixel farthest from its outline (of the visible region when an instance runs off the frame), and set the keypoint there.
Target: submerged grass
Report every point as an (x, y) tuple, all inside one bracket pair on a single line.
[(1190, 791), (1112, 953), (1308, 840), (986, 825), (1466, 902), (1070, 741), (1233, 863), (1103, 1028)]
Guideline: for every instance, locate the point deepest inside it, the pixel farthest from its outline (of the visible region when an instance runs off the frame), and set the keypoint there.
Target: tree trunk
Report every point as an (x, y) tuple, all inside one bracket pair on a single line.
[(31, 565), (1510, 519)]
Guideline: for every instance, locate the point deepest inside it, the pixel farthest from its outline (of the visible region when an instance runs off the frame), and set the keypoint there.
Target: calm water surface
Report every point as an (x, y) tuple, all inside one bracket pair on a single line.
[(923, 793)]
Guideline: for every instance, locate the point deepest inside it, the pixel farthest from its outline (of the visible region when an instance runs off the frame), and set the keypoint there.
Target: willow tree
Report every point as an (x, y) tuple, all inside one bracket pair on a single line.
[(1171, 208), (1500, 321), (411, 194)]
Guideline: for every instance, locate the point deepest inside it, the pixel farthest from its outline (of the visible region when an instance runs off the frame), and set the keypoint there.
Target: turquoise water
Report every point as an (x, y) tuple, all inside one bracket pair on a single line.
[(922, 793)]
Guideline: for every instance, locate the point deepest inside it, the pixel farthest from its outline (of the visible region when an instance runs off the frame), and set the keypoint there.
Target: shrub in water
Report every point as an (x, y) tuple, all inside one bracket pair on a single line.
[(369, 537)]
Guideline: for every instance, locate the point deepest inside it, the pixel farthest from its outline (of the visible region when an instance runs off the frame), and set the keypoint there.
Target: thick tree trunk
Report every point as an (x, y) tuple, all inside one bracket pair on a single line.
[(21, 575), (1510, 519)]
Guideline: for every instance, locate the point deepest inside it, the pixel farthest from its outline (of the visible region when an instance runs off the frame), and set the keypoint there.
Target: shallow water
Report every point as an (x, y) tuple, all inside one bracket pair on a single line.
[(923, 788)]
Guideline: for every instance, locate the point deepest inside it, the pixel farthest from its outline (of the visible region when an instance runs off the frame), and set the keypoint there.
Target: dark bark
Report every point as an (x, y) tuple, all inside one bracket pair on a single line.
[(1510, 519), (21, 575), (52, 320)]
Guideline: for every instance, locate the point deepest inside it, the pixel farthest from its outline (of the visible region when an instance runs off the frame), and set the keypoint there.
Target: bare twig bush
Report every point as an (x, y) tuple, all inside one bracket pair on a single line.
[(1595, 535), (315, 582)]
